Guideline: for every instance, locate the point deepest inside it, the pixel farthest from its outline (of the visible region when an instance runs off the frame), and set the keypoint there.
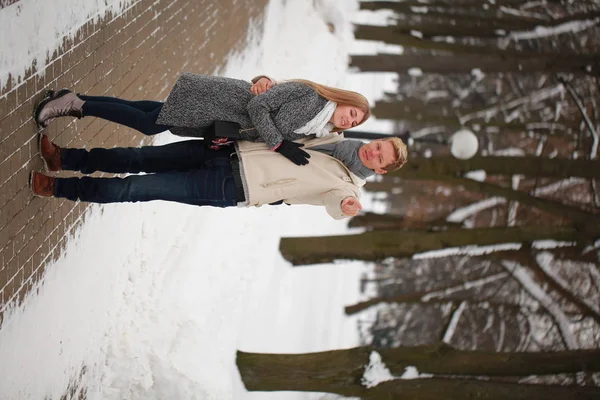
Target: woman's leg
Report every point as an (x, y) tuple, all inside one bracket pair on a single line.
[(206, 187), (125, 114), (178, 156), (137, 115), (142, 105)]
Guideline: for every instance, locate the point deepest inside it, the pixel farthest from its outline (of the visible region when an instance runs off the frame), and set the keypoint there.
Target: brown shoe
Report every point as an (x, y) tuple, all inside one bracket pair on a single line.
[(41, 185), (50, 154)]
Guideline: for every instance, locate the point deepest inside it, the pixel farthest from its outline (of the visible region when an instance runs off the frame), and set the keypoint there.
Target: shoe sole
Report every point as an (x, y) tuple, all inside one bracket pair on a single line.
[(49, 96), (31, 184), (46, 168), (41, 104)]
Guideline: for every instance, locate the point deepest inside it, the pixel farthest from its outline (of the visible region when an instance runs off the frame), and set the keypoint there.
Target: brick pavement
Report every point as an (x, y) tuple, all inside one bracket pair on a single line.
[(136, 55)]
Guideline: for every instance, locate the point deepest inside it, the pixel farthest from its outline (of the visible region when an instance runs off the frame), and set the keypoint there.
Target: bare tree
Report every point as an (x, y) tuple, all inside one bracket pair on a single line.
[(341, 372)]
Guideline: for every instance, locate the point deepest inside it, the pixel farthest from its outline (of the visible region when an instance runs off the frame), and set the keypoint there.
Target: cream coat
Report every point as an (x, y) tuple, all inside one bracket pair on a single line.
[(269, 177)]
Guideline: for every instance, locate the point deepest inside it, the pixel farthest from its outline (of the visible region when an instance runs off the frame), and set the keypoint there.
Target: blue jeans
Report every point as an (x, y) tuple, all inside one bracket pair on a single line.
[(138, 115), (184, 172)]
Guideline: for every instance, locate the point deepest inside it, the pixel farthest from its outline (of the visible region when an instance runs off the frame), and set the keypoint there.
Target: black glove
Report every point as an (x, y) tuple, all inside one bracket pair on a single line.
[(293, 152)]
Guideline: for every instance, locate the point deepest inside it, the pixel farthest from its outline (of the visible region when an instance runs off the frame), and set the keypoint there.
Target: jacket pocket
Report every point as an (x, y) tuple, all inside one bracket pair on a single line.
[(279, 182)]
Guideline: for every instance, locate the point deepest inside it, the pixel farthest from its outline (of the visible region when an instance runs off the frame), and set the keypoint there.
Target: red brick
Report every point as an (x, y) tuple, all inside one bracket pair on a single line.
[(120, 55)]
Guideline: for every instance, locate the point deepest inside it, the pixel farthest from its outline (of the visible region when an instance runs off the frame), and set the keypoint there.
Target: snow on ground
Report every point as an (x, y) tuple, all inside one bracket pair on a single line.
[(26, 25), (151, 301)]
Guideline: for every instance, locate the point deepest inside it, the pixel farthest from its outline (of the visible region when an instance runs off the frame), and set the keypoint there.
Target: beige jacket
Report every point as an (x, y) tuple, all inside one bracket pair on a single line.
[(269, 177)]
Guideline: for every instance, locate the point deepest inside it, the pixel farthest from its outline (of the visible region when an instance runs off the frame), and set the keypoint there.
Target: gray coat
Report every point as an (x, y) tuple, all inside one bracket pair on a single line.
[(198, 100)]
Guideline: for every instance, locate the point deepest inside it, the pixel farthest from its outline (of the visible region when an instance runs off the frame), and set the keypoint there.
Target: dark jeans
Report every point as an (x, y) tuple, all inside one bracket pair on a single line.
[(139, 115), (184, 172)]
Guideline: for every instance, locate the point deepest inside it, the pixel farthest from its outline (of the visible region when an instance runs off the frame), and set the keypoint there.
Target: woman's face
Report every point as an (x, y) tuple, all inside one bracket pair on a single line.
[(345, 117)]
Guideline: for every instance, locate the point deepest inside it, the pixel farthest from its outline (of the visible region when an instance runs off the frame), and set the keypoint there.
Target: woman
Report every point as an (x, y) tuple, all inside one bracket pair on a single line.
[(286, 112)]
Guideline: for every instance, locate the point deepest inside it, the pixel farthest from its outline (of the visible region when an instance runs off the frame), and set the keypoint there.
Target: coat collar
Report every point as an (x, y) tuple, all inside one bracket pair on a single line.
[(333, 138), (308, 142)]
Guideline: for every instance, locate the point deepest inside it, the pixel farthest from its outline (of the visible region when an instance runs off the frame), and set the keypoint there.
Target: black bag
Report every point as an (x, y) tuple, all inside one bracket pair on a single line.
[(222, 133)]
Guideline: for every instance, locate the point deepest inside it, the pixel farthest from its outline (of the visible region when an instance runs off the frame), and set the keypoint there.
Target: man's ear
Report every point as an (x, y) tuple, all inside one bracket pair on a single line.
[(380, 171)]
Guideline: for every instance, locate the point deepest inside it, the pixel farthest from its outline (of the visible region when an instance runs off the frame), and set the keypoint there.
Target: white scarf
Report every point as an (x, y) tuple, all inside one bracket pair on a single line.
[(319, 125)]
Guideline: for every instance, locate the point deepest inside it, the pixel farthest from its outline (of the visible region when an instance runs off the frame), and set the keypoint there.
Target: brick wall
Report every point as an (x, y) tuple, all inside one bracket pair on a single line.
[(136, 55)]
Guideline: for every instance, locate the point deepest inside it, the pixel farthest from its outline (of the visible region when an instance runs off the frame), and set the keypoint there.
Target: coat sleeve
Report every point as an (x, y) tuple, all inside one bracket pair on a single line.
[(256, 78), (261, 107), (333, 202)]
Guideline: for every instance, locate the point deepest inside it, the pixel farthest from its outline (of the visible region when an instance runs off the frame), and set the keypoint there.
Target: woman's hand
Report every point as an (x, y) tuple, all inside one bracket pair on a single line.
[(351, 206), (261, 86), (293, 152)]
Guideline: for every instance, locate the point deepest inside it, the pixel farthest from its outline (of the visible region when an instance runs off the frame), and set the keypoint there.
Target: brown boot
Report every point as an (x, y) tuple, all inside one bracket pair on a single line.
[(41, 185), (50, 154)]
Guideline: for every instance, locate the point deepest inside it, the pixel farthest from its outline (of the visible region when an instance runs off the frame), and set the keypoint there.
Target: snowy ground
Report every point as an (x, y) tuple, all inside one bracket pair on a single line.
[(157, 308)]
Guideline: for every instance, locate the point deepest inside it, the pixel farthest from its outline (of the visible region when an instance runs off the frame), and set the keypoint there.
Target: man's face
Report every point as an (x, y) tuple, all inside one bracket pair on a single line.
[(345, 117), (377, 154)]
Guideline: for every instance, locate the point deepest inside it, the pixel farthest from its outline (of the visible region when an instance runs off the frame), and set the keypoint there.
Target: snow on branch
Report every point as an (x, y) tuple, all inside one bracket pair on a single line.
[(471, 250), (542, 31), (454, 322), (544, 260), (588, 122), (464, 286), (463, 213), (377, 372), (562, 321), (535, 97)]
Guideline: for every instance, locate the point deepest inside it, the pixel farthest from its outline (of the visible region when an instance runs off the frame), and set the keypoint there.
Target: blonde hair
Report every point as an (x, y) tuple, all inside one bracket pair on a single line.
[(340, 96), (401, 154)]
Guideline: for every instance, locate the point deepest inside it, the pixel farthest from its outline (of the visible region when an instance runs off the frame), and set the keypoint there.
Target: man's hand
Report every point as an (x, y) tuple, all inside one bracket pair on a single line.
[(261, 86), (351, 206)]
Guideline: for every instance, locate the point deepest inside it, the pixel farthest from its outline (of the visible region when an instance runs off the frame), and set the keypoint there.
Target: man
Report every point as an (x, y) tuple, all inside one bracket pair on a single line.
[(252, 175)]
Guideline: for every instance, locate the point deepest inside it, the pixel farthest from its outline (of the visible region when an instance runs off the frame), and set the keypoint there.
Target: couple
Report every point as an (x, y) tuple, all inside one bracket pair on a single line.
[(267, 166)]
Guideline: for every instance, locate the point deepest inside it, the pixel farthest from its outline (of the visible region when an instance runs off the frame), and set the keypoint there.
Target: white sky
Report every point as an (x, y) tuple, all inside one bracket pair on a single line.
[(154, 299)]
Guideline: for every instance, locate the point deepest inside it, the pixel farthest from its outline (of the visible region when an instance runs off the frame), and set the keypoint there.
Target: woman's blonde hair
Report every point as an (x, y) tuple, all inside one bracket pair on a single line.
[(341, 97)]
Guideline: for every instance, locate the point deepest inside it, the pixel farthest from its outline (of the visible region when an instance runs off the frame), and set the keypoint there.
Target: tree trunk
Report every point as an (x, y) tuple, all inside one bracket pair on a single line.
[(411, 110), (432, 168), (387, 221), (418, 297), (460, 389), (354, 134), (377, 245), (461, 13), (452, 4), (461, 64), (340, 372), (401, 112), (581, 62), (337, 371), (435, 27), (382, 186), (447, 168), (586, 223)]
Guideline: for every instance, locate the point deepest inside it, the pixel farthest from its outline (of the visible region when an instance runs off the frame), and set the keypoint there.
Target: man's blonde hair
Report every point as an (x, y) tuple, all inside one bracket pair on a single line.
[(401, 154), (341, 97)]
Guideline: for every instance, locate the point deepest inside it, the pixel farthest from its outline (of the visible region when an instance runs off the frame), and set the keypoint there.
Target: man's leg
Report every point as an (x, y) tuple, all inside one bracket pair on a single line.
[(206, 187), (178, 156)]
